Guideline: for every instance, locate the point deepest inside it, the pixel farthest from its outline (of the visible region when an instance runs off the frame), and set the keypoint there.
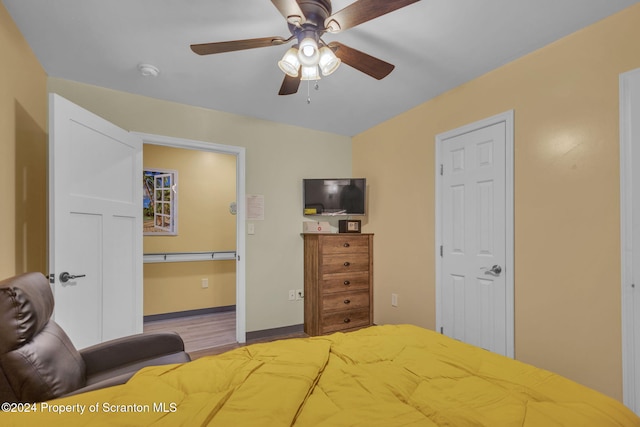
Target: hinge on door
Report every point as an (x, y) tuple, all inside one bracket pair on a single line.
[(441, 330), (441, 169), (238, 257), (441, 251)]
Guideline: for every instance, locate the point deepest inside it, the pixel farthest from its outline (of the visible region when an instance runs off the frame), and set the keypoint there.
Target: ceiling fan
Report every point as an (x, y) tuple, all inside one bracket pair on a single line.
[(308, 20)]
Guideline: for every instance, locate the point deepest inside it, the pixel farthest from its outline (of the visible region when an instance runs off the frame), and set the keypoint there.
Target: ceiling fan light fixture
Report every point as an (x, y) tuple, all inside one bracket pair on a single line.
[(308, 21), (290, 63), (308, 52), (310, 73), (328, 62)]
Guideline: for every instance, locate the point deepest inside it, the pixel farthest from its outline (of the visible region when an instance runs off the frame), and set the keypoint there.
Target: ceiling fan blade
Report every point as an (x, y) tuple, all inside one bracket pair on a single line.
[(291, 11), (362, 11), (231, 46), (372, 66), (289, 85)]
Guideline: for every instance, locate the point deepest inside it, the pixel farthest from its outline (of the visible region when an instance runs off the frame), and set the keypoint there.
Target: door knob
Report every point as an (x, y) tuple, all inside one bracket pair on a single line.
[(65, 277), (495, 270)]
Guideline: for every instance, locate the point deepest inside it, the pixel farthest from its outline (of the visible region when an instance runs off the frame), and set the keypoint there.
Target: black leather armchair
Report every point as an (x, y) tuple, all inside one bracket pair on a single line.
[(38, 361)]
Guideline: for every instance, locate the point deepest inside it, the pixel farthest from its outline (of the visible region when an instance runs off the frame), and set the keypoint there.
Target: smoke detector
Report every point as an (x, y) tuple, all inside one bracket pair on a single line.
[(148, 70)]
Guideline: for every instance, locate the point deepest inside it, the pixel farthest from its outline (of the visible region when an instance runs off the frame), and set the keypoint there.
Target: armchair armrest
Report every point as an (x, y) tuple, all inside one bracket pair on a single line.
[(130, 350)]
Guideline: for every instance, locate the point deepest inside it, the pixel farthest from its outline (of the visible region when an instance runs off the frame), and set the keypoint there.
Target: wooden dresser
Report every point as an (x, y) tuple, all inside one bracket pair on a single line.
[(338, 282)]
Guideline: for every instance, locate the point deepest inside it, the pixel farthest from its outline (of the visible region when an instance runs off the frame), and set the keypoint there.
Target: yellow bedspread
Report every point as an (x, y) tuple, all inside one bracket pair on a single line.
[(380, 376)]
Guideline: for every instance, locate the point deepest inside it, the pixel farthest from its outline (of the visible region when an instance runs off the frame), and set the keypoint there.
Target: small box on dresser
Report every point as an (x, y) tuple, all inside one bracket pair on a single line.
[(338, 282)]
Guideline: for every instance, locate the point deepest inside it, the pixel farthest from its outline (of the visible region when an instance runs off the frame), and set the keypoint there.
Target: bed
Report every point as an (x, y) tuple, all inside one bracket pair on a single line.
[(392, 375)]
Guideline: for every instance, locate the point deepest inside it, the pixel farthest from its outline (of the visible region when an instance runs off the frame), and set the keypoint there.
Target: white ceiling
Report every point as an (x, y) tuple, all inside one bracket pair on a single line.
[(435, 45)]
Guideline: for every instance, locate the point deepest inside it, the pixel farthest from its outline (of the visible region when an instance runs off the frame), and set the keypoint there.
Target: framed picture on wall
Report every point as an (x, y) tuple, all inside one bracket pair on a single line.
[(160, 202)]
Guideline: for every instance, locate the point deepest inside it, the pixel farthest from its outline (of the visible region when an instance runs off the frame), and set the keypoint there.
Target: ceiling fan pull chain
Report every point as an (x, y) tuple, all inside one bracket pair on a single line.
[(316, 86)]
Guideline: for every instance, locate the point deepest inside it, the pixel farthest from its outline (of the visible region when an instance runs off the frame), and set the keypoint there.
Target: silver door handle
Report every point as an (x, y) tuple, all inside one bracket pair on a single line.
[(65, 277), (495, 270)]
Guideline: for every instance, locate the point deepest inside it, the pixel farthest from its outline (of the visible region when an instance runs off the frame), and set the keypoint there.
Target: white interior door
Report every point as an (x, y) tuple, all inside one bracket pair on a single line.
[(95, 227), (630, 235), (474, 291)]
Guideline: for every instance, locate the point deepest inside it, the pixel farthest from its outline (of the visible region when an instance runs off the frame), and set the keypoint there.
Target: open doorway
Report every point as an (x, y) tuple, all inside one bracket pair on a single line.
[(194, 277)]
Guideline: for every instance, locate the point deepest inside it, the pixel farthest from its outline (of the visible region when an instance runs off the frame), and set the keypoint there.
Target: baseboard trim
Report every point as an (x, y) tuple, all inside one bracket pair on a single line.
[(275, 332), (187, 313)]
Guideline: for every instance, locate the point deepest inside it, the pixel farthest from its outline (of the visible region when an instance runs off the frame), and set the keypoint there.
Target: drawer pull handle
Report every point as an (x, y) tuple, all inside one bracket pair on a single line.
[(346, 245), (346, 283), (347, 320), (347, 301), (347, 263)]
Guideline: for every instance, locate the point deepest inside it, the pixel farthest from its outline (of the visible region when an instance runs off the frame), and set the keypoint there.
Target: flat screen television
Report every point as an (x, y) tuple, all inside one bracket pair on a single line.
[(334, 196)]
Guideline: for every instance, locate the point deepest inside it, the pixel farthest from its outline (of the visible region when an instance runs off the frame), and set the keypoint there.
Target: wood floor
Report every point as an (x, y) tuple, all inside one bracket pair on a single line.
[(207, 334)]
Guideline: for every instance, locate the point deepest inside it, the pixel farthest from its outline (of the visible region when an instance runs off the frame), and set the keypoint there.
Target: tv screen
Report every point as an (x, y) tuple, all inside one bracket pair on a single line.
[(334, 196)]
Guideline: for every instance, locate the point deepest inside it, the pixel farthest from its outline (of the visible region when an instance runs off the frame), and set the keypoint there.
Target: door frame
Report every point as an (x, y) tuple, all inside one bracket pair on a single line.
[(508, 118), (630, 363), (239, 152)]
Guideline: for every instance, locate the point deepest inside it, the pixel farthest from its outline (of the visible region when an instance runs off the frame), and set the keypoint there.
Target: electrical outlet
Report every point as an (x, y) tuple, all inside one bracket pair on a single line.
[(394, 300), (292, 295), (204, 283), (300, 294)]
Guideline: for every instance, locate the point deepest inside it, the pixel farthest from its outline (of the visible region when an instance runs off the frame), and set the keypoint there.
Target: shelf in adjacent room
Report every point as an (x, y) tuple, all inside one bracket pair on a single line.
[(189, 256)]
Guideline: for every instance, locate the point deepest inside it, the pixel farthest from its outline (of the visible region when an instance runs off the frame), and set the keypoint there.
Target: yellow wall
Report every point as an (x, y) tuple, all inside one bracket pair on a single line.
[(174, 287), (567, 244), (206, 187), (23, 151)]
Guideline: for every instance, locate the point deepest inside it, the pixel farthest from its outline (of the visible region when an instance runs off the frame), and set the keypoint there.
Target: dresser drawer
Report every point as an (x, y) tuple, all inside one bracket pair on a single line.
[(341, 282), (345, 263), (345, 320), (345, 244), (345, 300)]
